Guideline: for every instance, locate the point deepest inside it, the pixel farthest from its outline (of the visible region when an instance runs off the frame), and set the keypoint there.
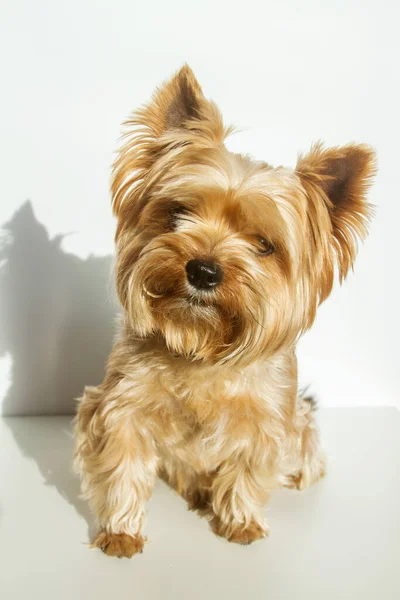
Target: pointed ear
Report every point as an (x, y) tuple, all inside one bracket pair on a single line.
[(177, 116), (180, 99), (339, 177), (177, 104)]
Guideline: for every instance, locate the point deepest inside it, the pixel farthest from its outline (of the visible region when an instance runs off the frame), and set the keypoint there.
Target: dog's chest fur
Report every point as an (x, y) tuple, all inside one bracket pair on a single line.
[(202, 414)]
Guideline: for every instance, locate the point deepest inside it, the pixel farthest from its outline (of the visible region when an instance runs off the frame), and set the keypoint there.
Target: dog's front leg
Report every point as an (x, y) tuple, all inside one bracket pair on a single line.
[(240, 490), (116, 459)]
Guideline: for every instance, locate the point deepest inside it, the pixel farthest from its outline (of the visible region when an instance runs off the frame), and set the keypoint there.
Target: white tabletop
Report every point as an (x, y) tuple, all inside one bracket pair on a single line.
[(336, 541)]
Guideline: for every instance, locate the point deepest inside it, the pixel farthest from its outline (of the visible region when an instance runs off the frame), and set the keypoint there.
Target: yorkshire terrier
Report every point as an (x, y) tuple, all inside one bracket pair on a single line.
[(221, 264)]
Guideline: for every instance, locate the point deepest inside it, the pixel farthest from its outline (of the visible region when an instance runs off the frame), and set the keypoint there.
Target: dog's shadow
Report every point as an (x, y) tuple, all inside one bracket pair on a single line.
[(57, 318)]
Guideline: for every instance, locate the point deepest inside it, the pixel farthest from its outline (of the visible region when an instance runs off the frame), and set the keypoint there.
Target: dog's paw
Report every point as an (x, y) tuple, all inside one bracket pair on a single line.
[(239, 534), (121, 545), (307, 476)]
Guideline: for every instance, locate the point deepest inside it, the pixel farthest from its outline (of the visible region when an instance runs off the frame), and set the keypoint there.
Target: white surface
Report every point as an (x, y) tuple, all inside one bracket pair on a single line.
[(286, 72), (339, 540)]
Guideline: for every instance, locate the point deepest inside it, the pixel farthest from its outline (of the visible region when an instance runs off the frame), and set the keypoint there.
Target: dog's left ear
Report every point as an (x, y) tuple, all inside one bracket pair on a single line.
[(339, 177)]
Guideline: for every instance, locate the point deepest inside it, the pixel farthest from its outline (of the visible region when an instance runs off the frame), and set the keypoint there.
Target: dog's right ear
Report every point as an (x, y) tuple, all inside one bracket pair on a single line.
[(178, 107), (178, 115), (176, 103)]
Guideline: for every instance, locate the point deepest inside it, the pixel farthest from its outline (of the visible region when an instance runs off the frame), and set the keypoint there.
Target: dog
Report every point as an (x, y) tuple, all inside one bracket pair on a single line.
[(221, 264)]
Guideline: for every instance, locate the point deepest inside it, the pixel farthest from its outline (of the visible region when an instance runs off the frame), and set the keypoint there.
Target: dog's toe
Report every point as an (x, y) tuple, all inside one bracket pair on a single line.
[(121, 545), (240, 534)]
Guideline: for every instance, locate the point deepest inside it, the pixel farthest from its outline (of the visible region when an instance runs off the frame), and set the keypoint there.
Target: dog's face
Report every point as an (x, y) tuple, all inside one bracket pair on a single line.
[(225, 258)]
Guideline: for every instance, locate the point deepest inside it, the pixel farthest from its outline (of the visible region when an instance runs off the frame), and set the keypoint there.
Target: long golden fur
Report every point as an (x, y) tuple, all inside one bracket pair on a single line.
[(201, 385)]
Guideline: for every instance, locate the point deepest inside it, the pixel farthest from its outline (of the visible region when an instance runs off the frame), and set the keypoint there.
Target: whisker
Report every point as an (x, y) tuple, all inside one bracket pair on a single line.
[(250, 287), (252, 315)]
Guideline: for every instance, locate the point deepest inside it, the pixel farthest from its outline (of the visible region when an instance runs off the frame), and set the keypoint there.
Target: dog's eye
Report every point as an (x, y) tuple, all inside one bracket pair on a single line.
[(265, 248), (174, 214)]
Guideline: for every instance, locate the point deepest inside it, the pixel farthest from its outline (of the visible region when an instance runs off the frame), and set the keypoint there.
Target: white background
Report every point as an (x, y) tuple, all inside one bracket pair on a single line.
[(287, 73)]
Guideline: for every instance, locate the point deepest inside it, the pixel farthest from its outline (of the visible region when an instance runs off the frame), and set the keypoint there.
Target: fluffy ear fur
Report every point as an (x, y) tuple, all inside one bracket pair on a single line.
[(178, 116), (175, 103), (339, 178)]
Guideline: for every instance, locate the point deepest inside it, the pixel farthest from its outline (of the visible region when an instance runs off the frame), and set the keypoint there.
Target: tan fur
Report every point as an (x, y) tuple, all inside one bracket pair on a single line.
[(201, 386), (119, 544)]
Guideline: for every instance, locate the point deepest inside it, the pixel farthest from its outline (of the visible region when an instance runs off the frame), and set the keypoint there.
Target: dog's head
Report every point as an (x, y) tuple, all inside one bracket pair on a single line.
[(223, 257)]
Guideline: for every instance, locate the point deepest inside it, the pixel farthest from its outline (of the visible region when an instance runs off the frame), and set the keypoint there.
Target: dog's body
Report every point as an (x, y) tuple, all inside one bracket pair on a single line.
[(221, 263)]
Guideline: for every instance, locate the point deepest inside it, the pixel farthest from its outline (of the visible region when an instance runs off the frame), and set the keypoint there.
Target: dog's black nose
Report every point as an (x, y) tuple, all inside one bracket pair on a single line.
[(204, 275)]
